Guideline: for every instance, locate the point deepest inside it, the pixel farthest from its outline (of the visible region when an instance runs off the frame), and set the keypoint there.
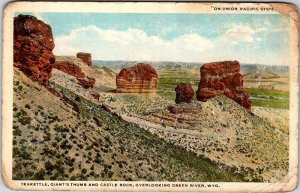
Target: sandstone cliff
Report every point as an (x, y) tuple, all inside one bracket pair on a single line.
[(223, 78), (141, 78), (33, 45)]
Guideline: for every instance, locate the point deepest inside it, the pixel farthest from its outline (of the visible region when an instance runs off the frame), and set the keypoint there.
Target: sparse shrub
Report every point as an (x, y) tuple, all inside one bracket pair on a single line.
[(14, 142), (58, 139), (22, 153), (48, 166), (97, 160), (65, 145), (40, 175), (22, 117), (122, 149), (61, 129), (17, 131), (80, 146), (16, 151), (71, 169), (47, 137), (73, 178), (84, 171)]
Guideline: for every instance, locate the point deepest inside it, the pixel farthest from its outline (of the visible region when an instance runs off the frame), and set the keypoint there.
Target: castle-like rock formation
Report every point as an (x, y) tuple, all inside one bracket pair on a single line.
[(86, 57), (141, 78), (184, 93), (33, 45), (222, 78)]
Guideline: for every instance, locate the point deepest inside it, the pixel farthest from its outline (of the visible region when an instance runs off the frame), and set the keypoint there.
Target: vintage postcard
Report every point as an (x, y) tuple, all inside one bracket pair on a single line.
[(147, 96)]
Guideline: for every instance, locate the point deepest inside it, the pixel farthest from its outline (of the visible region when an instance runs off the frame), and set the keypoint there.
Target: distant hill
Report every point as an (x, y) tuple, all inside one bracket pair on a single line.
[(245, 68), (261, 75), (257, 68), (122, 64)]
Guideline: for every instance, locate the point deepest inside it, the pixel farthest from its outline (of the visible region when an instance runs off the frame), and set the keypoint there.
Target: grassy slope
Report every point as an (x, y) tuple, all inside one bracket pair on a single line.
[(269, 98), (52, 142)]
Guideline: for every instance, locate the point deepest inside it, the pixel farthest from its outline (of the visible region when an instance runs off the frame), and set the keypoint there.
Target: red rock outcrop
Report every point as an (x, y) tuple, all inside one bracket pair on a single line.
[(86, 57), (141, 78), (95, 95), (184, 93), (69, 68), (75, 70), (222, 78), (87, 82), (33, 45)]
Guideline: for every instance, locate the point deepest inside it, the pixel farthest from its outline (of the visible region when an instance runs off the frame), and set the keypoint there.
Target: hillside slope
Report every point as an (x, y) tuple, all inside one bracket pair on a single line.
[(51, 141), (220, 130)]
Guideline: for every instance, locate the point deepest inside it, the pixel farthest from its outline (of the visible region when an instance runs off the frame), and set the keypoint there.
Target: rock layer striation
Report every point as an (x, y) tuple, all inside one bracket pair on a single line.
[(222, 78)]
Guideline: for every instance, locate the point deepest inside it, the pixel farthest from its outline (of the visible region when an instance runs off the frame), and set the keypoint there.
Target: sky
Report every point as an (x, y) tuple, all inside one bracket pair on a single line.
[(248, 38)]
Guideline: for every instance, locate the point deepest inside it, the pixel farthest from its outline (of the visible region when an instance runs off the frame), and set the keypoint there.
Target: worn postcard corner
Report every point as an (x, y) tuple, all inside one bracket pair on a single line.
[(148, 96)]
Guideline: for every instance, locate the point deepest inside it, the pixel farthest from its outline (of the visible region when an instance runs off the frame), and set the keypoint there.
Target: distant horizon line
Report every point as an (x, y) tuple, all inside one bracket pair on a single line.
[(189, 62)]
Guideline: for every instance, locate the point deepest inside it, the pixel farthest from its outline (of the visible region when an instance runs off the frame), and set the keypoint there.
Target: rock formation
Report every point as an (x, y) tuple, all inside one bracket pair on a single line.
[(69, 68), (184, 93), (141, 78), (33, 45), (86, 57), (222, 78), (87, 82), (75, 70), (95, 95)]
